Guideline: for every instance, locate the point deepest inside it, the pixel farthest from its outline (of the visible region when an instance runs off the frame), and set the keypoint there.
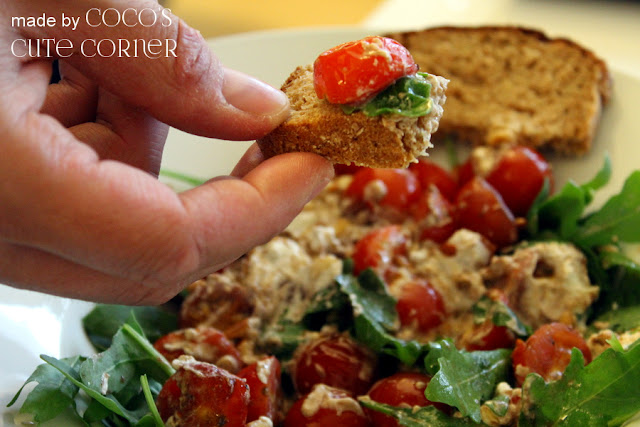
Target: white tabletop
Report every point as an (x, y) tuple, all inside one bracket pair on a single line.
[(609, 28)]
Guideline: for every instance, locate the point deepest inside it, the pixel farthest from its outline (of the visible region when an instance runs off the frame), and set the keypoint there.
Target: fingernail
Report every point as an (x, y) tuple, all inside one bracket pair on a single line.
[(251, 95), (321, 180)]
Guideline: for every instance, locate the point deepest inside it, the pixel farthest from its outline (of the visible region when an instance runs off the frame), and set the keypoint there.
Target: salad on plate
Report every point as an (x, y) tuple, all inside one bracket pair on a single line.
[(467, 293)]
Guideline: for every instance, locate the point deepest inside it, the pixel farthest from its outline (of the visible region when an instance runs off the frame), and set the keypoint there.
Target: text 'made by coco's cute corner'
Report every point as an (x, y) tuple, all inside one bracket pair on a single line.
[(103, 21)]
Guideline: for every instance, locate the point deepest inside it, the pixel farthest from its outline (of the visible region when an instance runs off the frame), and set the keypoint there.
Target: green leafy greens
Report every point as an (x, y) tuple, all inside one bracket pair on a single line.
[(564, 216), (408, 96), (121, 383), (605, 392)]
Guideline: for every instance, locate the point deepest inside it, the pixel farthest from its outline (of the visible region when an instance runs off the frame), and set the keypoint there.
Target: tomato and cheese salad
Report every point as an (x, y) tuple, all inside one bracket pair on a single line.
[(472, 294), (432, 296)]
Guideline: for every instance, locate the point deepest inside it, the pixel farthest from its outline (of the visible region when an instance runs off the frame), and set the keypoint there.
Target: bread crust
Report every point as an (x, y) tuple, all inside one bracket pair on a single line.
[(385, 141), (514, 85)]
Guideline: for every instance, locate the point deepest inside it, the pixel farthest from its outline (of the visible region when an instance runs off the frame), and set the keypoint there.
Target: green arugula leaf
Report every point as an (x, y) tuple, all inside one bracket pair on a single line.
[(408, 96), (369, 297), (53, 394), (104, 320), (620, 284), (464, 379), (377, 339), (374, 315), (284, 337), (558, 216), (119, 367), (148, 395), (621, 319), (605, 392), (617, 221), (500, 315), (328, 306), (108, 401), (426, 416)]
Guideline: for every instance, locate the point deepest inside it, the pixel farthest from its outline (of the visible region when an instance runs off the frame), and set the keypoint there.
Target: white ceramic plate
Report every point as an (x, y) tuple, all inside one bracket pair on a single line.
[(32, 324)]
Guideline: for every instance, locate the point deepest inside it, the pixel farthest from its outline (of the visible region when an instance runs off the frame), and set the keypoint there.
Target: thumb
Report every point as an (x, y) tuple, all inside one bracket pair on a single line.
[(151, 59)]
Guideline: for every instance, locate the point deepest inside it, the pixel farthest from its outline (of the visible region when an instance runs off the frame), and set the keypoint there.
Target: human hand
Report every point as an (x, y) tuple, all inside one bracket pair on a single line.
[(82, 213)]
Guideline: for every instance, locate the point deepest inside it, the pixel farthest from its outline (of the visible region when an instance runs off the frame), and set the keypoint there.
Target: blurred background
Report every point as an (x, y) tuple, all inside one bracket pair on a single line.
[(611, 28), (220, 17)]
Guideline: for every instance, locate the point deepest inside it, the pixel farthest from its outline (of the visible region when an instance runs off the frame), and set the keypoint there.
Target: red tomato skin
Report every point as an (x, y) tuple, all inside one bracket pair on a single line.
[(519, 176), (337, 361), (204, 343), (353, 72), (488, 336), (492, 337), (401, 187), (378, 248), (265, 398), (548, 351), (429, 173), (480, 208), (326, 416), (342, 169), (419, 304), (434, 215), (464, 172), (209, 396), (401, 389)]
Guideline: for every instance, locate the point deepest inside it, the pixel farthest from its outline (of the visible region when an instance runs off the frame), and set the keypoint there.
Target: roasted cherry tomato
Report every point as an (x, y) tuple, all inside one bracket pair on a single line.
[(429, 173), (547, 352), (395, 188), (519, 176), (335, 360), (434, 215), (326, 406), (355, 71), (263, 379), (488, 335), (419, 305), (204, 344), (200, 394), (377, 249), (464, 172), (404, 389), (480, 208)]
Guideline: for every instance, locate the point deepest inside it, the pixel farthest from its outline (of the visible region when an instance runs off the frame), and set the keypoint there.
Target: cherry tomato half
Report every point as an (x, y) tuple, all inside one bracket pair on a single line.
[(201, 394), (395, 188), (353, 72), (519, 176), (434, 214), (402, 389), (429, 173), (334, 360), (419, 305), (480, 208), (326, 406), (378, 248), (263, 379), (547, 352)]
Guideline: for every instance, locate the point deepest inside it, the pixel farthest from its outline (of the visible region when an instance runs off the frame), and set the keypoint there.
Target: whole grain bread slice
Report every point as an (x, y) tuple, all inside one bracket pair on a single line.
[(385, 141), (512, 85)]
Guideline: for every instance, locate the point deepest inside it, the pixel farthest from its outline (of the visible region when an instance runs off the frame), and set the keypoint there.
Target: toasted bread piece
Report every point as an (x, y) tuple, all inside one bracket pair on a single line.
[(315, 125), (514, 85)]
